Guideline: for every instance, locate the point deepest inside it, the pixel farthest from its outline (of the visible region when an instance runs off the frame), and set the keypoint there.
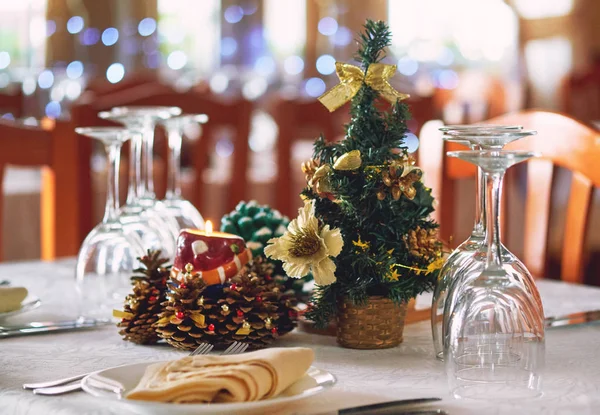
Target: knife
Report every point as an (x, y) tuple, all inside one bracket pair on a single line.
[(51, 327), (391, 407), (573, 319)]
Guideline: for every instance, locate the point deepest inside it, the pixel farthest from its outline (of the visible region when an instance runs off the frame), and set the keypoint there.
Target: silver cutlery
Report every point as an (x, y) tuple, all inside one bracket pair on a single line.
[(61, 386), (573, 319), (392, 407), (38, 327)]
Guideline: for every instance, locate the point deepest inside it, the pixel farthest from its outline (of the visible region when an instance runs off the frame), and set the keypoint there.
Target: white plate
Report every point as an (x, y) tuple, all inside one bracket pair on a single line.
[(30, 302), (314, 382)]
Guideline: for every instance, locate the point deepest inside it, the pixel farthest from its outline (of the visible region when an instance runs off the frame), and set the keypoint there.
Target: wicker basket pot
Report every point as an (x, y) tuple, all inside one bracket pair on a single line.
[(376, 325)]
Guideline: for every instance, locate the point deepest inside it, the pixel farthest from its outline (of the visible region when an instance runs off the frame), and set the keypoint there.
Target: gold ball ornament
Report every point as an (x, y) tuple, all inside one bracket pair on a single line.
[(381, 195)]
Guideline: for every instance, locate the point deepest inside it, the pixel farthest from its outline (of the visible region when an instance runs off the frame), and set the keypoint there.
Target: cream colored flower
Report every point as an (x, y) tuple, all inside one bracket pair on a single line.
[(307, 247)]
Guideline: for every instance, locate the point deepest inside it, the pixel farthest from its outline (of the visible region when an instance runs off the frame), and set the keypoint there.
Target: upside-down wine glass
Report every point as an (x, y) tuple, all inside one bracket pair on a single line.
[(109, 253), (458, 275), (465, 251), (147, 223), (495, 344), (182, 210)]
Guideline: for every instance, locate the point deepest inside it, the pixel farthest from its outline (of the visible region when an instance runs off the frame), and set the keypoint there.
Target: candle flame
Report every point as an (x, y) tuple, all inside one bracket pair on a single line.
[(208, 228)]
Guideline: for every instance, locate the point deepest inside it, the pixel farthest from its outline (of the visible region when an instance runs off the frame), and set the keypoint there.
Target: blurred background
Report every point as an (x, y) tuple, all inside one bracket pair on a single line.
[(462, 61)]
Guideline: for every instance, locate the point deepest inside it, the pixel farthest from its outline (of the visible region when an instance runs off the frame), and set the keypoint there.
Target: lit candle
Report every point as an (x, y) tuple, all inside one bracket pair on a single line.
[(215, 256)]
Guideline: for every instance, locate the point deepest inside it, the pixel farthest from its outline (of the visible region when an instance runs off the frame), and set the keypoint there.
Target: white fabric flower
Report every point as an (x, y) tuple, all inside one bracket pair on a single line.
[(306, 247)]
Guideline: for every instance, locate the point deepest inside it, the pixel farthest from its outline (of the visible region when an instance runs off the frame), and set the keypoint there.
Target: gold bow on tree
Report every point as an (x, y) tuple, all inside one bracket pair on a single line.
[(352, 78)]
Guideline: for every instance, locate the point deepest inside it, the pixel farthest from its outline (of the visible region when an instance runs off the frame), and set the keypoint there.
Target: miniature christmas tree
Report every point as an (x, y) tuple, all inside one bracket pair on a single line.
[(364, 230)]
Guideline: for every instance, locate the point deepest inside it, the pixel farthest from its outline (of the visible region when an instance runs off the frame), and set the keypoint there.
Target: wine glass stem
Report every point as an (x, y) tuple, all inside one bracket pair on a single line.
[(480, 206), (493, 185), (174, 184), (136, 188), (111, 209), (149, 159)]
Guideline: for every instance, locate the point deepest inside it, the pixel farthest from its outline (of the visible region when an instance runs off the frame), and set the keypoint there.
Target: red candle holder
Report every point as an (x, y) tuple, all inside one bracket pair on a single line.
[(215, 256)]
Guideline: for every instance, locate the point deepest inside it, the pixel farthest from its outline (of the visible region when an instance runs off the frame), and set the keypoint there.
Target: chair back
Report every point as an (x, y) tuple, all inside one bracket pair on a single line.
[(12, 102), (563, 142), (52, 148), (298, 119), (568, 143), (581, 95)]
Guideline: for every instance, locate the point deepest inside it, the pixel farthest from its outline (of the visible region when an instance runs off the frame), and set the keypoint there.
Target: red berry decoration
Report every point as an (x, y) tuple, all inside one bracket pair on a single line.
[(179, 315), (274, 330), (152, 298), (259, 299), (268, 278), (240, 313), (233, 286), (211, 327), (292, 314), (183, 286), (164, 281)]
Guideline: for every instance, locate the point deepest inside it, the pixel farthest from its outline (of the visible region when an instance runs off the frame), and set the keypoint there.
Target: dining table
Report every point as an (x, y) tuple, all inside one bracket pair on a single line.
[(571, 377)]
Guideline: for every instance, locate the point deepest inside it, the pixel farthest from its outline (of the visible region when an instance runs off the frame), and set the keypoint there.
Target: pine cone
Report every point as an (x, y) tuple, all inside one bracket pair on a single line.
[(142, 307), (423, 243), (251, 308)]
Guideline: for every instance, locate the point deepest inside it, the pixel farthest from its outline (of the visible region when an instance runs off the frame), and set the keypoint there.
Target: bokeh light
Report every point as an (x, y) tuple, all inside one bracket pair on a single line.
[(29, 86), (219, 83), (53, 109), (57, 93), (37, 31), (233, 14), (228, 46), (411, 142), (73, 90), (447, 79), (327, 26), (315, 87), (115, 73), (50, 27), (46, 79), (8, 116), (74, 69), (110, 36), (176, 60), (407, 66), (265, 65), (4, 59), (446, 57), (147, 26), (224, 148), (293, 65), (326, 64), (343, 36), (255, 88), (75, 24), (90, 36), (4, 80)]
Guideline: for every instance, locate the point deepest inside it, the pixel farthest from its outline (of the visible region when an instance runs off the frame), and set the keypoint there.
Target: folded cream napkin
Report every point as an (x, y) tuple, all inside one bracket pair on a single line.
[(235, 378), (11, 298)]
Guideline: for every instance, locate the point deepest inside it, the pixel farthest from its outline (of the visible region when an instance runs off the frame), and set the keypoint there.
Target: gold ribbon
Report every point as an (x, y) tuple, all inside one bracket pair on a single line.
[(352, 78)]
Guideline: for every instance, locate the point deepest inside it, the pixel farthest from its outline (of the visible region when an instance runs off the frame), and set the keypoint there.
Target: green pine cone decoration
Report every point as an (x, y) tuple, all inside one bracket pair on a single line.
[(255, 223)]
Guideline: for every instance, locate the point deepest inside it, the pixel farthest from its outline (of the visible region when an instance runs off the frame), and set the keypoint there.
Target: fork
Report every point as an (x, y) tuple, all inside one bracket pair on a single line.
[(55, 388), (203, 348)]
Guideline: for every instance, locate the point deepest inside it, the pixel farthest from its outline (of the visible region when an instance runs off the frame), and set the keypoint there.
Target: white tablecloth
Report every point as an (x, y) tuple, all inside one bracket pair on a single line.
[(572, 382)]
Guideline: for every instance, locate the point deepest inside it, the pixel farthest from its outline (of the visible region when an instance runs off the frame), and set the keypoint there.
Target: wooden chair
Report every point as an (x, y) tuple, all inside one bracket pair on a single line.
[(12, 102), (52, 148), (563, 142), (298, 119), (575, 146), (581, 95)]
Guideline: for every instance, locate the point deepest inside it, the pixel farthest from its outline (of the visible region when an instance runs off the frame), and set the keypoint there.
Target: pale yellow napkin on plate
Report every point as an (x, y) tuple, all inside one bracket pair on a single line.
[(11, 298), (236, 378)]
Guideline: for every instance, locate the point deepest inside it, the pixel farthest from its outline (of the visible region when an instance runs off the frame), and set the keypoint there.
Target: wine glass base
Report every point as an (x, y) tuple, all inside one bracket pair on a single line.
[(499, 392)]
